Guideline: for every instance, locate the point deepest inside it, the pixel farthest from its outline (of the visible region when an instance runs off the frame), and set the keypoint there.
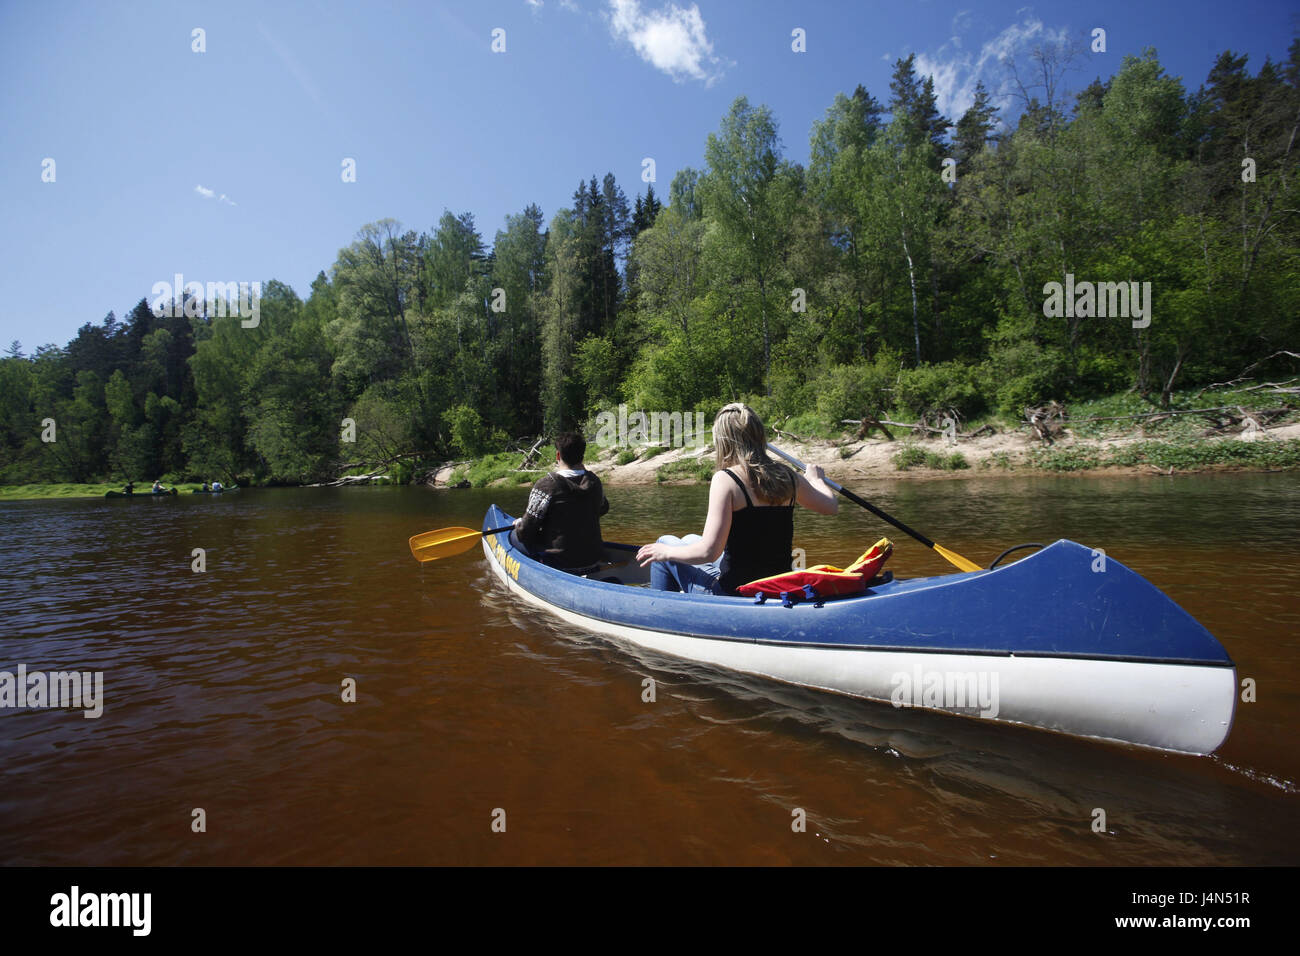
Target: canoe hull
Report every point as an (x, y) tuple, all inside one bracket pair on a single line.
[(1183, 701), (141, 494)]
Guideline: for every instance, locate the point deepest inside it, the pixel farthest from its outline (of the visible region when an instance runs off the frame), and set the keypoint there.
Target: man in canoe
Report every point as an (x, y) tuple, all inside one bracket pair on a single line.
[(749, 531), (561, 525), (158, 488), (129, 489)]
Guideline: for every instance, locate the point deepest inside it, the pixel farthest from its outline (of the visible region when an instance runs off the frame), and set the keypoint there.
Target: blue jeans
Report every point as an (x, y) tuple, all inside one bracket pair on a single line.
[(688, 578)]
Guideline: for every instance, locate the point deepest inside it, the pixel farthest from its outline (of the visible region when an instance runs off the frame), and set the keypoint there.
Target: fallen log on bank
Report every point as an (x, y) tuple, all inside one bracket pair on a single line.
[(1047, 421), (353, 480), (530, 457), (866, 425)]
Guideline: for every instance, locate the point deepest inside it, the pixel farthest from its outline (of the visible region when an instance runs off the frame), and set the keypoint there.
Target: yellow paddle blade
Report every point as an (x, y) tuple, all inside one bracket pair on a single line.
[(954, 558), (443, 543)]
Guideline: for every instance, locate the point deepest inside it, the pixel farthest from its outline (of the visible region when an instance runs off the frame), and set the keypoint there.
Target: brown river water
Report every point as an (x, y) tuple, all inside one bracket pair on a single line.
[(222, 692)]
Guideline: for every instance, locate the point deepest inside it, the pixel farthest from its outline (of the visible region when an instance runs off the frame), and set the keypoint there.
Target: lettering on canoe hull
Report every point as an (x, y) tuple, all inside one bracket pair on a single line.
[(510, 564)]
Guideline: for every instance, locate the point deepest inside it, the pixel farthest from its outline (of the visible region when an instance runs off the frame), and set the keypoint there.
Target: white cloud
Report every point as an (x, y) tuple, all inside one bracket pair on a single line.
[(569, 5), (956, 71), (950, 83), (207, 193), (672, 39)]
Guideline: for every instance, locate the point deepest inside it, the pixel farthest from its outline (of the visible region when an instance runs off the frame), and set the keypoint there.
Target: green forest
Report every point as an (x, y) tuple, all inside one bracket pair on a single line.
[(902, 271)]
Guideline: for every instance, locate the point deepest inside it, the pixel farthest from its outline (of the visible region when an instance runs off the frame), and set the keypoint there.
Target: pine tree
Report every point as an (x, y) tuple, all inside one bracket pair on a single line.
[(1093, 96), (868, 112), (975, 128), (914, 100)]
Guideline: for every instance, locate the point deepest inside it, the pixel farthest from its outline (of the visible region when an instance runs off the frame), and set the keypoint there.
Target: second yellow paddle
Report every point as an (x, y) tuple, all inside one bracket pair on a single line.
[(443, 543)]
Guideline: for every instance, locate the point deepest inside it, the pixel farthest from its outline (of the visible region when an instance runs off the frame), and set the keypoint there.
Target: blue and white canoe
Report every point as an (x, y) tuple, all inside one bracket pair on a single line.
[(1057, 640)]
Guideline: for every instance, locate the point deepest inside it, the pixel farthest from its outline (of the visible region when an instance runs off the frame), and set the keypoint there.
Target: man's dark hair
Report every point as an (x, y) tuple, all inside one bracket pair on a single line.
[(572, 447)]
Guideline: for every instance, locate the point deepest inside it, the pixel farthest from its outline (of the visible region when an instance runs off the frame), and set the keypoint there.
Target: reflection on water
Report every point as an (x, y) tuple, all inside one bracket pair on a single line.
[(224, 691)]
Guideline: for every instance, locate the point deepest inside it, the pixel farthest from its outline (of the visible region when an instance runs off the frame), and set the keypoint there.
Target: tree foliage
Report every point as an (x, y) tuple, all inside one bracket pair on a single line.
[(905, 269)]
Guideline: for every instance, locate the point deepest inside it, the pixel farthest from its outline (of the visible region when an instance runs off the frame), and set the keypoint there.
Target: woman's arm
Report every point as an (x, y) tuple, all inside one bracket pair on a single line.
[(815, 494), (716, 527)]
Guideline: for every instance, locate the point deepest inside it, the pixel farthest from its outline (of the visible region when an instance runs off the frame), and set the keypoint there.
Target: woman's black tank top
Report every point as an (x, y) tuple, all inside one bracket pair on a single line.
[(759, 542)]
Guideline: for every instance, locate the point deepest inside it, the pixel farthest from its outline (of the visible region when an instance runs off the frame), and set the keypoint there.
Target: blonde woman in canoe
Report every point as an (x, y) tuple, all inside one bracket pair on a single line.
[(749, 531)]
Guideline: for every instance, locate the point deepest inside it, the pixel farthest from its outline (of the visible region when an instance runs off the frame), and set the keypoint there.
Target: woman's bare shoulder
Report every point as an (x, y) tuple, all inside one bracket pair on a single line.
[(724, 479)]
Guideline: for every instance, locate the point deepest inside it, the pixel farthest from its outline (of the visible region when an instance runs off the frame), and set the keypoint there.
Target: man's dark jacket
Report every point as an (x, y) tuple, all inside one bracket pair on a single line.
[(563, 520)]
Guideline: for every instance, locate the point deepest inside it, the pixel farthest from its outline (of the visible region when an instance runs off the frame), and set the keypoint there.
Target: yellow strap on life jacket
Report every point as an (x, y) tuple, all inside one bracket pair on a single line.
[(883, 546)]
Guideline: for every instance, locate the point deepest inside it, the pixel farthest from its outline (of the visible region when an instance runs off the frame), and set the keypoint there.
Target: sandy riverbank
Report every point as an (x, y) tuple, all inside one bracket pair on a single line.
[(988, 456)]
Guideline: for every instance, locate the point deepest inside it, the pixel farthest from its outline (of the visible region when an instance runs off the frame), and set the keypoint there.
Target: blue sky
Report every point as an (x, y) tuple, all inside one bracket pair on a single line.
[(225, 165)]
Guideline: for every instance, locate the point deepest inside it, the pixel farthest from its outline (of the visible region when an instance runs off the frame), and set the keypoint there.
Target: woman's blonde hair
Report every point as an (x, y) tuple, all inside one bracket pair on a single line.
[(739, 438)]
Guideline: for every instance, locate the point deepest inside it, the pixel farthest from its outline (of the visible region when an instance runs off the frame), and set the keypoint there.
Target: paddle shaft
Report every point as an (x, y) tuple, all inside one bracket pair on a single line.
[(889, 519)]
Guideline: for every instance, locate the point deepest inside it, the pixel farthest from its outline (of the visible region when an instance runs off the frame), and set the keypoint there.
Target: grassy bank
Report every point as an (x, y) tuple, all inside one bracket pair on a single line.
[(20, 492), (503, 467), (1188, 455), (686, 469), (913, 456), (66, 490)]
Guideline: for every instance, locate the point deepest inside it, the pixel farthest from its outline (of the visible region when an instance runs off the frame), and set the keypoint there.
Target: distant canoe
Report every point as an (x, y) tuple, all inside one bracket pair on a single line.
[(140, 494), (200, 491)]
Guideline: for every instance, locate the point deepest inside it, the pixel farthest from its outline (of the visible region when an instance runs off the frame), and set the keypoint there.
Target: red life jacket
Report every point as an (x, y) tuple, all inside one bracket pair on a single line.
[(823, 581)]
